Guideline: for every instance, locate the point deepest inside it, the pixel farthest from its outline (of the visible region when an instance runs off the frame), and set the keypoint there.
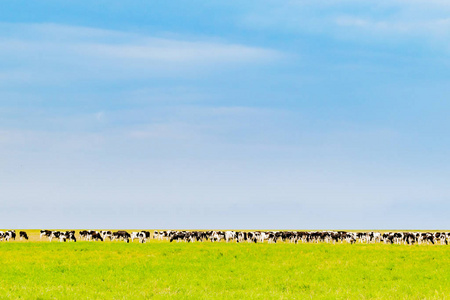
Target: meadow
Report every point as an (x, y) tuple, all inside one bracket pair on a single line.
[(159, 269)]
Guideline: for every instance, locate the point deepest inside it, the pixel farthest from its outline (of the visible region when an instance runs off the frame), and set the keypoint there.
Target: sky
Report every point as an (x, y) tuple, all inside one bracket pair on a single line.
[(225, 114)]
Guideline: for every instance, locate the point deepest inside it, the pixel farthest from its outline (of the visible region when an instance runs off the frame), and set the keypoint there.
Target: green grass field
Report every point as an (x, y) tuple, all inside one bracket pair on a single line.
[(116, 270)]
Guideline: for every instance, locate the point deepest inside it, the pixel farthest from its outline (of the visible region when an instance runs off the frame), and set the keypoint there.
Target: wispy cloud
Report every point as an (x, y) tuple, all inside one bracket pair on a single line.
[(430, 28), (54, 52), (427, 20)]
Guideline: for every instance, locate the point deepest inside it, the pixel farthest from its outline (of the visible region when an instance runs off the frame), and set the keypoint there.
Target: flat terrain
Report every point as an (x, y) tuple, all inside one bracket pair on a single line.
[(116, 270)]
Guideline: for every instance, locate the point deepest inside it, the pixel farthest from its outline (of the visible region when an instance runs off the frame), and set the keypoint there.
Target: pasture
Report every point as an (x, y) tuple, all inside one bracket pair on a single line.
[(159, 269)]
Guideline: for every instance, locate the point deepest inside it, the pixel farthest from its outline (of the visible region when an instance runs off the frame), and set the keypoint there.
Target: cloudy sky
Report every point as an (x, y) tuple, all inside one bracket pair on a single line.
[(225, 114)]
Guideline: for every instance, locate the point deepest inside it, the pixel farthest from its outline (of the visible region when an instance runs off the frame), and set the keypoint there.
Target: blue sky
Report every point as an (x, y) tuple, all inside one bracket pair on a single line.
[(244, 114)]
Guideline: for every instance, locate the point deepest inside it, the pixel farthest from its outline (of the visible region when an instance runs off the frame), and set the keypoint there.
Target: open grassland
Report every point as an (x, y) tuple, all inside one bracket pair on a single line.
[(116, 270)]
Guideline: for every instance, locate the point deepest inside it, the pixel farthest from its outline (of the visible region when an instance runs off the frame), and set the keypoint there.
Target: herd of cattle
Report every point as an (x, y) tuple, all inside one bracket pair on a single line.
[(11, 235), (240, 236)]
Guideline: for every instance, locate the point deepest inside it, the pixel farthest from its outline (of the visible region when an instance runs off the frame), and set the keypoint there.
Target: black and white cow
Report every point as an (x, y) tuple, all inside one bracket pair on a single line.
[(106, 234), (230, 236), (54, 235), (83, 234), (45, 233), (10, 235), (121, 235), (67, 236), (134, 235), (177, 236), (144, 236), (94, 236), (23, 234)]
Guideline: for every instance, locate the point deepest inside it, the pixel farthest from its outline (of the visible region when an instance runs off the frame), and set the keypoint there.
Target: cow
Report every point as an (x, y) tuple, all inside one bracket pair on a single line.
[(54, 235), (23, 234), (90, 235), (262, 236), (134, 235), (177, 236), (241, 236), (214, 236), (230, 235), (441, 236), (95, 236), (83, 234), (67, 236), (10, 234), (199, 236), (143, 236), (252, 237), (45, 233), (121, 235), (106, 234)]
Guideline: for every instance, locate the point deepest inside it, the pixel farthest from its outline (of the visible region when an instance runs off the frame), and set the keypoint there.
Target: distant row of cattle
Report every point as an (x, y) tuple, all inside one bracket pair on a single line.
[(306, 236), (94, 235), (241, 236), (11, 235)]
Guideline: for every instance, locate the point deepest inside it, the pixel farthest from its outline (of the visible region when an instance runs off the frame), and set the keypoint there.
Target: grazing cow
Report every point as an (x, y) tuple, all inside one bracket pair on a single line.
[(160, 235), (441, 237), (134, 235), (230, 235), (54, 235), (241, 236), (376, 237), (106, 234), (67, 236), (351, 237), (263, 236), (388, 238), (95, 236), (23, 234), (199, 236), (252, 237), (45, 233), (5, 235), (122, 235), (398, 237), (177, 236), (214, 236), (10, 234), (90, 235), (143, 236), (409, 238), (428, 237), (83, 234)]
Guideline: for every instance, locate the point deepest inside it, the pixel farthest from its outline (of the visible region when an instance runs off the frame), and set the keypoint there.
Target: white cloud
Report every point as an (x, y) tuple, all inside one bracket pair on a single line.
[(173, 51), (432, 27), (54, 53), (358, 20)]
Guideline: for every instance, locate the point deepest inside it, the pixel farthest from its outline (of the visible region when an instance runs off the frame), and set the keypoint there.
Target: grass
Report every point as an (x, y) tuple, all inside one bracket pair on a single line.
[(115, 270)]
